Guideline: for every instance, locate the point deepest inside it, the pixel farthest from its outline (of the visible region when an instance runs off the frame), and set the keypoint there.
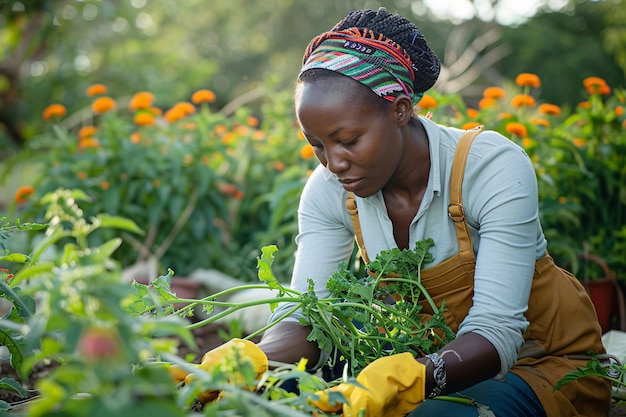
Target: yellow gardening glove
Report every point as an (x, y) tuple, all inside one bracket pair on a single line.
[(393, 387), (247, 350)]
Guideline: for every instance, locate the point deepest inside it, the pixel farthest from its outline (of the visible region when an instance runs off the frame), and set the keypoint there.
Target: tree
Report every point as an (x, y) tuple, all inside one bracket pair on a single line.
[(562, 49)]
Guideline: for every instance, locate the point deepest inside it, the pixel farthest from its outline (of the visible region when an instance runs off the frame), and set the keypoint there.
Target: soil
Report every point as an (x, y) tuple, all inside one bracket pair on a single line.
[(207, 338)]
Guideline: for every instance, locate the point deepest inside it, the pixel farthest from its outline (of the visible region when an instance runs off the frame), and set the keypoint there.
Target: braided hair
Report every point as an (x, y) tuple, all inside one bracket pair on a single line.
[(426, 65)]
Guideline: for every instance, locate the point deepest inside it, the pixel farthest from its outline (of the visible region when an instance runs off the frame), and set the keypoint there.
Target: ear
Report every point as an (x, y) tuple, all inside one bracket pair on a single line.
[(402, 109)]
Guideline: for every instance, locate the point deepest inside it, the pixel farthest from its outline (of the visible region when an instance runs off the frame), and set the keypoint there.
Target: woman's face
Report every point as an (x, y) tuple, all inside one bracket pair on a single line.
[(353, 135)]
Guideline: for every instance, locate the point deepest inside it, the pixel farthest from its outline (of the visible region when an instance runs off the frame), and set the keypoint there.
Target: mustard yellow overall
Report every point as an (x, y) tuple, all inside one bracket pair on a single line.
[(563, 328)]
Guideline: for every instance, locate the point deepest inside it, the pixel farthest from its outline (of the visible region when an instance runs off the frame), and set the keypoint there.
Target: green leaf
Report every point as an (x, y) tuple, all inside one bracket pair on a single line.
[(33, 271), (31, 226), (14, 349), (109, 247), (264, 265), (13, 385), (24, 304), (15, 257), (117, 222)]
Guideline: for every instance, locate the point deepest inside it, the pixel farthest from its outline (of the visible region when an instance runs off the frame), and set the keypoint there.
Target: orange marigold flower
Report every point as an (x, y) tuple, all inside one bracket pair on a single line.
[(504, 116), (103, 105), (105, 185), (174, 114), (517, 129), (540, 122), (190, 126), (527, 142), (279, 166), (228, 138), (54, 110), (82, 175), (470, 125), (144, 119), (307, 151), (472, 113), (186, 107), (241, 130), (604, 90), (220, 129), (562, 200), (593, 84), (227, 189), (135, 138), (493, 92), (486, 102), (88, 143), (584, 105), (86, 131), (23, 192), (427, 102), (203, 96), (522, 100), (301, 135), (258, 135), (579, 142), (156, 111), (141, 100), (527, 79), (252, 121), (96, 90), (619, 110), (550, 109)]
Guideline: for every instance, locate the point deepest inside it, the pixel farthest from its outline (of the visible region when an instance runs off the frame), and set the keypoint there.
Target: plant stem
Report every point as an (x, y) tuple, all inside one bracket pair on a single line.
[(459, 400), (235, 307)]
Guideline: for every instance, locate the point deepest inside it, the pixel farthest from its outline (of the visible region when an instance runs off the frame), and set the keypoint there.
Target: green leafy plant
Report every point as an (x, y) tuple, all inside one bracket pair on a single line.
[(207, 188), (71, 312), (355, 318), (371, 317), (608, 369)]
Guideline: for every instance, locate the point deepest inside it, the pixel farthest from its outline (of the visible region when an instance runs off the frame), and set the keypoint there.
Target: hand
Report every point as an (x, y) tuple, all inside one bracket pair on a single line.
[(247, 350), (393, 386)]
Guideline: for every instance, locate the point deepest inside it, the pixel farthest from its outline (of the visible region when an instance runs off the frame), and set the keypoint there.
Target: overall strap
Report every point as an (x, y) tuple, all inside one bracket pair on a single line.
[(455, 209)]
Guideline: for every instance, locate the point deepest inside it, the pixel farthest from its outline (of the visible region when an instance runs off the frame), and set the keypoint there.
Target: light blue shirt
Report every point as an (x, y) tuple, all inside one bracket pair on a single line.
[(500, 201)]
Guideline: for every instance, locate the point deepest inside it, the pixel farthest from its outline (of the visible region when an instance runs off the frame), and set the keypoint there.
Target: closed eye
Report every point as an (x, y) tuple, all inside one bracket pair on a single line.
[(352, 142)]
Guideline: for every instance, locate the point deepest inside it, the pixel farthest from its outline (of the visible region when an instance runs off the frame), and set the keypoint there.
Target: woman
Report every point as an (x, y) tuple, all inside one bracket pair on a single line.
[(520, 320)]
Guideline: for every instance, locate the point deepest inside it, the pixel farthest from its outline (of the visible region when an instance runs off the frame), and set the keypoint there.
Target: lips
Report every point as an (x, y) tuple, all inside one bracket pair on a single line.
[(351, 184)]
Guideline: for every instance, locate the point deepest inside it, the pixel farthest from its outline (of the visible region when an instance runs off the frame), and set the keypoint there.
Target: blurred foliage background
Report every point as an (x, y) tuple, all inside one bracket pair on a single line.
[(51, 50), (249, 53)]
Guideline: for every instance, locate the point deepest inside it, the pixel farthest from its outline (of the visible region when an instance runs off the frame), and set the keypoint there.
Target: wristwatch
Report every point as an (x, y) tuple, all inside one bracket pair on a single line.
[(439, 374)]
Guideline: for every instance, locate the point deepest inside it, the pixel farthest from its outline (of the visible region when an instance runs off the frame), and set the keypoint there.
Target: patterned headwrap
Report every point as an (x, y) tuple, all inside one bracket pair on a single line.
[(375, 61)]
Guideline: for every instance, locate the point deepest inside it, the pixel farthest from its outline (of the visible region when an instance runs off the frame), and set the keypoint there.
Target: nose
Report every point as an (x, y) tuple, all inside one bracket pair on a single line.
[(335, 161)]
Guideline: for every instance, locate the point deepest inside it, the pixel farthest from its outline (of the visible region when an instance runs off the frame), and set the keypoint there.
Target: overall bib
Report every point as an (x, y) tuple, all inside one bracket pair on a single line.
[(563, 326)]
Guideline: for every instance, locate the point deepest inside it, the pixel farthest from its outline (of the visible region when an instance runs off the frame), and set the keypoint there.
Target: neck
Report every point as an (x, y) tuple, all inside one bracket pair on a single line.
[(411, 177)]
